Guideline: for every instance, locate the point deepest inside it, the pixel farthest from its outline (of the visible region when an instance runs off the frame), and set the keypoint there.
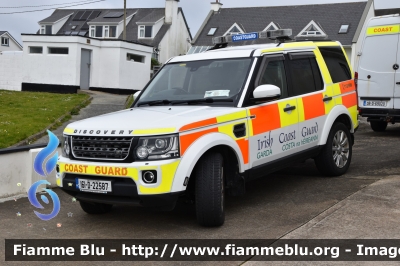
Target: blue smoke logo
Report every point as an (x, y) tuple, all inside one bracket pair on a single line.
[(32, 198), (43, 168), (43, 154)]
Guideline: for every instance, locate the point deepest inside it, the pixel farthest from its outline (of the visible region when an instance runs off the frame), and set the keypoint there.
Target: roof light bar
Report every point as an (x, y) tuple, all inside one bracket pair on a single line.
[(281, 35)]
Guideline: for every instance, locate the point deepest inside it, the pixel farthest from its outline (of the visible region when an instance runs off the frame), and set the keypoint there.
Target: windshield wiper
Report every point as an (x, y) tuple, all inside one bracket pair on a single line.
[(154, 102), (203, 100)]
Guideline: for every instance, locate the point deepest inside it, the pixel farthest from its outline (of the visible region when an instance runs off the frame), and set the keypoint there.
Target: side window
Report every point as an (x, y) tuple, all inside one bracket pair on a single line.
[(336, 63), (305, 76), (274, 74)]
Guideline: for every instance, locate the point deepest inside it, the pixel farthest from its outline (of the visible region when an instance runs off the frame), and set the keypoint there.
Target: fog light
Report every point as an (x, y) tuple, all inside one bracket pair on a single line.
[(149, 177)]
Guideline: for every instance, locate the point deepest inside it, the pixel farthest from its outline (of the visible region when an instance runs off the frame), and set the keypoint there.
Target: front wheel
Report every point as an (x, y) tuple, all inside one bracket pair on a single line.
[(379, 126), (335, 157), (210, 190)]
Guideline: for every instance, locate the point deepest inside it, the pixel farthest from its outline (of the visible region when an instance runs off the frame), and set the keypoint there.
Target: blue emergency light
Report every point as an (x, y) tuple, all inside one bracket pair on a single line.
[(280, 35)]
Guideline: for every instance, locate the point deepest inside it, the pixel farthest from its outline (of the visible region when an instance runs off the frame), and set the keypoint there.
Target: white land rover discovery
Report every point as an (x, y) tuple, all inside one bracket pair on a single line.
[(208, 122)]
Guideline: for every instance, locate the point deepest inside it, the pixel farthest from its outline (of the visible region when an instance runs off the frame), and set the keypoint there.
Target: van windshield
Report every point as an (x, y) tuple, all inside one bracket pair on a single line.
[(197, 82)]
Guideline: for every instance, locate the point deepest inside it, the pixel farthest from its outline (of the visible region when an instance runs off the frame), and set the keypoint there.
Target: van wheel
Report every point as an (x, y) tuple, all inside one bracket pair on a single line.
[(95, 208), (210, 190), (335, 157), (378, 126)]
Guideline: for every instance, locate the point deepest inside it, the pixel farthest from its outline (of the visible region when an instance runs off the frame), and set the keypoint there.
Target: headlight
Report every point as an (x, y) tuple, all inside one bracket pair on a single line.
[(65, 146), (162, 147)]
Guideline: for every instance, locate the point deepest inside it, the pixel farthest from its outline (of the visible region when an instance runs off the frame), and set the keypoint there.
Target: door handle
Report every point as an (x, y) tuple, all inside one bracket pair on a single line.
[(398, 83), (327, 99), (289, 108)]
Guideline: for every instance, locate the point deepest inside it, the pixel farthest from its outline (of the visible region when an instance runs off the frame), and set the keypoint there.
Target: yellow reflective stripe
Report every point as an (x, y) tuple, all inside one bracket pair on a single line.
[(68, 130), (58, 181), (338, 100), (330, 104), (336, 89), (300, 106), (231, 117), (167, 178), (288, 118), (380, 30), (321, 44), (154, 131), (271, 50)]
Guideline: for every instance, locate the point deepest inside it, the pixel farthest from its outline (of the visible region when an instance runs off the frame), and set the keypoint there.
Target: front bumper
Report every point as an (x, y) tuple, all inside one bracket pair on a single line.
[(128, 187)]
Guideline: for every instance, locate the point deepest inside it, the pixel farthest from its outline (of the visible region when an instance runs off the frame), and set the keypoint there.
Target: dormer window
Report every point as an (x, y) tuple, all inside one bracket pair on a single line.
[(103, 31), (145, 31), (272, 26), (234, 29), (312, 29), (46, 29), (5, 41)]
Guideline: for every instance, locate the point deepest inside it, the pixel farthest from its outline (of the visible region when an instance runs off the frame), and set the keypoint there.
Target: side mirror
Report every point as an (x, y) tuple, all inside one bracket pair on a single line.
[(266, 91)]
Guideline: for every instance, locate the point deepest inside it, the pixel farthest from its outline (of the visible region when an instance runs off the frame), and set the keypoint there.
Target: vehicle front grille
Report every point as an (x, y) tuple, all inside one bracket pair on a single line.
[(103, 148)]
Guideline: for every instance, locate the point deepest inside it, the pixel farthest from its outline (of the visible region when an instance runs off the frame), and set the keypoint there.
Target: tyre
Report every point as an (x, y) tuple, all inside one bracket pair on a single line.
[(335, 157), (95, 208), (378, 126), (210, 190)]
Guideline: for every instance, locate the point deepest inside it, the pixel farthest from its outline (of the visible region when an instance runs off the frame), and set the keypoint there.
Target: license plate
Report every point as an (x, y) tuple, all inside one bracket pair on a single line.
[(375, 103), (95, 186)]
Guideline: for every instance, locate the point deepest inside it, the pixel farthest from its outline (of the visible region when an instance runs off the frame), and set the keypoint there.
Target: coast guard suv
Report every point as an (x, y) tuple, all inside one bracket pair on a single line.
[(209, 122)]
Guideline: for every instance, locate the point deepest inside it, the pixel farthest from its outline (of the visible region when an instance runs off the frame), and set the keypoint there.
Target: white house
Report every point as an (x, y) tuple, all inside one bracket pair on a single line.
[(84, 49), (165, 29), (8, 43), (65, 64)]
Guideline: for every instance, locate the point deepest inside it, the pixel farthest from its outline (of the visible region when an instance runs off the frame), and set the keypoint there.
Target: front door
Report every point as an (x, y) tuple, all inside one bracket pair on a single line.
[(86, 62), (274, 124)]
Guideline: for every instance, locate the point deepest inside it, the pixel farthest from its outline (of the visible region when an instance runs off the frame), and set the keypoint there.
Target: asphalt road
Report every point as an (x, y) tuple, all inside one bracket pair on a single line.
[(277, 206)]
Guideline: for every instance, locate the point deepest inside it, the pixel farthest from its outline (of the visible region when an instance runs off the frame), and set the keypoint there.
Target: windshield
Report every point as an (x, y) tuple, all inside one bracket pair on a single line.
[(197, 82)]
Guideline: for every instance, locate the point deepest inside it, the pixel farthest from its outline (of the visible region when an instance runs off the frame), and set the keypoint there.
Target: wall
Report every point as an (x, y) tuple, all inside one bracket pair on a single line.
[(59, 24), (175, 41), (11, 64), (109, 68), (13, 46), (20, 170)]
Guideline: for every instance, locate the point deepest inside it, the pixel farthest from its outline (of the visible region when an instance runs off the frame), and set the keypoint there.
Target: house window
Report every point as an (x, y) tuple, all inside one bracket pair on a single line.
[(234, 29), (212, 31), (36, 50), (42, 30), (271, 26), (344, 29), (145, 31), (49, 29), (92, 31), (99, 32), (5, 41), (106, 31), (58, 50), (113, 31), (135, 57)]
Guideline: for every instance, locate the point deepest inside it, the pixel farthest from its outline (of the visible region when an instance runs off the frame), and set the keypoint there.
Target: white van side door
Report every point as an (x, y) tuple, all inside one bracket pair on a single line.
[(376, 84)]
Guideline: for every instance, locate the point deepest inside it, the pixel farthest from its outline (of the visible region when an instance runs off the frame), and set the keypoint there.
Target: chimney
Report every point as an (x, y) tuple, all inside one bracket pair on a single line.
[(171, 10), (216, 6)]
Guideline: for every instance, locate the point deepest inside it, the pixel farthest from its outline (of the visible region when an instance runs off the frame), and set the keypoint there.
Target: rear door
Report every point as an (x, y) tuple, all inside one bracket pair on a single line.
[(397, 76), (376, 80)]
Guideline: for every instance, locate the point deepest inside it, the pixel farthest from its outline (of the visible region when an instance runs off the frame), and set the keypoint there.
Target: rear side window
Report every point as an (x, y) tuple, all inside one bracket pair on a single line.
[(305, 76), (336, 63)]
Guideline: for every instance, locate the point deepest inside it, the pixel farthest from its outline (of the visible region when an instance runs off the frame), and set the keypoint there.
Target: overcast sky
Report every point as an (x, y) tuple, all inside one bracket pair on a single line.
[(195, 10)]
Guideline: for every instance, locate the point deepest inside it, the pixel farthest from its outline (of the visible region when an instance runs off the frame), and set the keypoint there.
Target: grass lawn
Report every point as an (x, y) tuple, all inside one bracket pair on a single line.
[(23, 114)]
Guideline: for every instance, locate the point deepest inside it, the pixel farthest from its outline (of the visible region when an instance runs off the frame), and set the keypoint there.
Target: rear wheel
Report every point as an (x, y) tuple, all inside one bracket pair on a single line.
[(210, 190), (378, 126), (95, 208), (335, 157)]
